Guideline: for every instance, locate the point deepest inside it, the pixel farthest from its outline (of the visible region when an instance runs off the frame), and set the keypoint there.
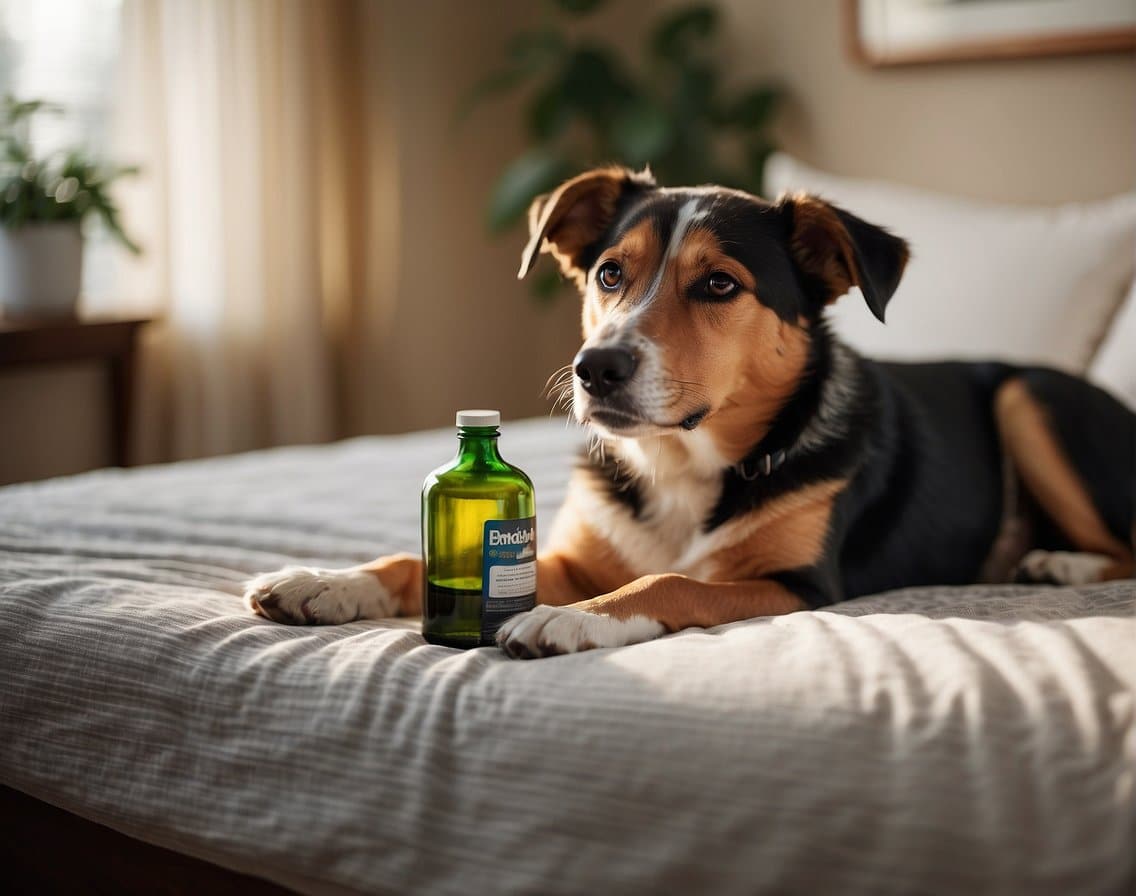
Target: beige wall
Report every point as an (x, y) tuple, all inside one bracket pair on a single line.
[(461, 331), (456, 329), (1025, 130)]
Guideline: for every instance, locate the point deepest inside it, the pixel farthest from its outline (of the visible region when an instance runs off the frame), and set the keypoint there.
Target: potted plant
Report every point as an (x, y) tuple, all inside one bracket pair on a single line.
[(43, 203), (587, 103)]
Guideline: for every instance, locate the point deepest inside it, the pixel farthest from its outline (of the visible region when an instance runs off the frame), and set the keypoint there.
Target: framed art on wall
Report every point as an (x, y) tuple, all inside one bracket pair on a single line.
[(907, 32)]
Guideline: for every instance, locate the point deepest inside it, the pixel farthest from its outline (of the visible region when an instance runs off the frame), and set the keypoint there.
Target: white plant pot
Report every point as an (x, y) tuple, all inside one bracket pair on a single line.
[(41, 267)]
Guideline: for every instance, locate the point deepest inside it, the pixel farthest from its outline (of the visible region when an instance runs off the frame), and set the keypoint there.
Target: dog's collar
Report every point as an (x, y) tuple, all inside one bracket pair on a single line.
[(751, 467)]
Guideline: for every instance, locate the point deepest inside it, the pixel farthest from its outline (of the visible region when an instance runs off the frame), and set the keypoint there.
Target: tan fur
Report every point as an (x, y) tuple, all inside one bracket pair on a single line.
[(401, 575), (1047, 474), (821, 245), (680, 602), (786, 533), (766, 377), (636, 252), (569, 219)]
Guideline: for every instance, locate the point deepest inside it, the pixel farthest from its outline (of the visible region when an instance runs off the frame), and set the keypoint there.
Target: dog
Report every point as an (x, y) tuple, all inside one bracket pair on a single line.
[(745, 462)]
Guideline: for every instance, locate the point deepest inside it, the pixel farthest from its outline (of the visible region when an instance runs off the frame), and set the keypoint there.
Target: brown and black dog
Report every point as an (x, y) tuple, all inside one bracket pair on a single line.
[(746, 462)]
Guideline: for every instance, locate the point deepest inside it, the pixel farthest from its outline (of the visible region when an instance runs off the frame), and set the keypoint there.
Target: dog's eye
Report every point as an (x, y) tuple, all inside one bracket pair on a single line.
[(609, 275), (721, 285)]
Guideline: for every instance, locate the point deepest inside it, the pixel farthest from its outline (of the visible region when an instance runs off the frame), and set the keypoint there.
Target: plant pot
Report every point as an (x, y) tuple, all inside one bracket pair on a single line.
[(41, 266)]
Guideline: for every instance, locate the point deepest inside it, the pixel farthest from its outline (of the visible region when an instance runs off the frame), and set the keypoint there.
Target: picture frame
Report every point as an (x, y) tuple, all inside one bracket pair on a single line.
[(913, 32)]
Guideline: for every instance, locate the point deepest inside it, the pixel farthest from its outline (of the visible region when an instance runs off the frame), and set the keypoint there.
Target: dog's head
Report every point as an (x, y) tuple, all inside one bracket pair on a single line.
[(699, 302)]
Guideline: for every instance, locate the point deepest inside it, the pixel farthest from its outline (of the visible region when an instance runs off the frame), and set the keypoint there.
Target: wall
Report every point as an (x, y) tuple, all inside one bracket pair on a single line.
[(446, 324), (462, 333), (1023, 130), (456, 329), (441, 321)]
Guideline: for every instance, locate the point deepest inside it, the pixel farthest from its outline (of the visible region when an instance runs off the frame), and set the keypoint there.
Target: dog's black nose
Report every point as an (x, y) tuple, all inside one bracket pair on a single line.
[(603, 370)]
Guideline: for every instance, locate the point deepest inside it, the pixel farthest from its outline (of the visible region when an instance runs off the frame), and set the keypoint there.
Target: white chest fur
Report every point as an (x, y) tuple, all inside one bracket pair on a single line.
[(680, 483)]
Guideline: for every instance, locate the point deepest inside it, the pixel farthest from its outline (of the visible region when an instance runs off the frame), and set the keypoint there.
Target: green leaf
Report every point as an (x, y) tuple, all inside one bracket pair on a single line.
[(546, 115), (593, 83), (753, 109), (641, 132), (110, 220), (675, 36), (528, 53), (16, 152), (16, 111), (525, 178), (694, 96), (578, 7)]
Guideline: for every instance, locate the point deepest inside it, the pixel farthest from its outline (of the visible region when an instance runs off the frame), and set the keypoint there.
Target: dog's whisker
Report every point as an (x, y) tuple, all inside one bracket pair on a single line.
[(596, 446), (557, 376), (558, 389), (688, 389), (560, 371), (562, 400), (562, 396)]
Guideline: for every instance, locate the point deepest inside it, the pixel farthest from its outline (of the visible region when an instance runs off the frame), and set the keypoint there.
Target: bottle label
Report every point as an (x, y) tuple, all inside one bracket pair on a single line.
[(509, 572)]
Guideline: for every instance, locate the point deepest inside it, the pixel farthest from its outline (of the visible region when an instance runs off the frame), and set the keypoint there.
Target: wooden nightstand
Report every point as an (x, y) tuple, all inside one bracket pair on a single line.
[(110, 340)]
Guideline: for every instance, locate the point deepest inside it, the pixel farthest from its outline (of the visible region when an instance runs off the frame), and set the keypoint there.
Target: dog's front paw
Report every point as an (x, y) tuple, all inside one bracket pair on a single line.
[(548, 631), (303, 595)]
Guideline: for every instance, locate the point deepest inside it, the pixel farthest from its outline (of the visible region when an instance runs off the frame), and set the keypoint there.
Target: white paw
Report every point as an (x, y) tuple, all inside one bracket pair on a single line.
[(303, 595), (1062, 567), (548, 631)]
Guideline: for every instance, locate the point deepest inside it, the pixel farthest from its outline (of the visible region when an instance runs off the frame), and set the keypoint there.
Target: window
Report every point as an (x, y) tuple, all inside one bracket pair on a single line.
[(64, 51)]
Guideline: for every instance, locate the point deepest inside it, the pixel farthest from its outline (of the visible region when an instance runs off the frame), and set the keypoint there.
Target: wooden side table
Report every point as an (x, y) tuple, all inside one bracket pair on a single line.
[(111, 340)]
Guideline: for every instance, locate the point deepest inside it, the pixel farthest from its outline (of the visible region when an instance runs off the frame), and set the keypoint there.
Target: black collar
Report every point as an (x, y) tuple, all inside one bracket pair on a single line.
[(750, 468)]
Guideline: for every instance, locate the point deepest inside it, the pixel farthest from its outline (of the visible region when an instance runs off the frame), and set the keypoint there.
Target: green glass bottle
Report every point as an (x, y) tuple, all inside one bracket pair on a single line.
[(478, 539)]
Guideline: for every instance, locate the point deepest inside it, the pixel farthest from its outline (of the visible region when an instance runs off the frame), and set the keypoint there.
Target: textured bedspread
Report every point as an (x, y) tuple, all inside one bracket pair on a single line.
[(978, 740)]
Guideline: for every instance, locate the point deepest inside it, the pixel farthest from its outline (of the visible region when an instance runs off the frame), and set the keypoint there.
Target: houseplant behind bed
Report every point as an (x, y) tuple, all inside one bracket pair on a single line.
[(43, 203), (588, 101)]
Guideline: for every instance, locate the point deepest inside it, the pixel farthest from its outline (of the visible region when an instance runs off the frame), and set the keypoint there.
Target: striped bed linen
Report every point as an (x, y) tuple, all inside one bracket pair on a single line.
[(923, 741)]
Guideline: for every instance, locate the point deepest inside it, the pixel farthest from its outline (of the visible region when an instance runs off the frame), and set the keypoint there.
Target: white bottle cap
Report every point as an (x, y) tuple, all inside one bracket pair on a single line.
[(479, 417)]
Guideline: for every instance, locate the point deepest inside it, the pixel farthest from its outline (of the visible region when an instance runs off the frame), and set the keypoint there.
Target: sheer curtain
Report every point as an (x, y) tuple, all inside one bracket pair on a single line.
[(255, 207)]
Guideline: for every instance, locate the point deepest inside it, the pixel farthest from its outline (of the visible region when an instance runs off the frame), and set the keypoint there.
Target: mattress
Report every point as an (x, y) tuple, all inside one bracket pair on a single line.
[(932, 740)]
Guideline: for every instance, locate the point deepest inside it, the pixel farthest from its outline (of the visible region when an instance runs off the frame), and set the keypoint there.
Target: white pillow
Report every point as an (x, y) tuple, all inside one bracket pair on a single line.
[(1014, 282), (1114, 365)]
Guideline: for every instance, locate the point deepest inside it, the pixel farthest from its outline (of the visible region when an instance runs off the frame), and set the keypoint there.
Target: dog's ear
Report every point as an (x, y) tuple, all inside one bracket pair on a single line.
[(569, 220), (835, 251)]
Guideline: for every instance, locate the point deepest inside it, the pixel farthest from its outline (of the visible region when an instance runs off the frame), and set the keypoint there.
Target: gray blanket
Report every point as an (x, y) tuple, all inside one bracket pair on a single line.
[(945, 740)]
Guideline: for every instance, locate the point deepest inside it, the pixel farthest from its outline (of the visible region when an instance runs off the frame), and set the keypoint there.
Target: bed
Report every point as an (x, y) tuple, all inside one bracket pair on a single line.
[(933, 740)]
